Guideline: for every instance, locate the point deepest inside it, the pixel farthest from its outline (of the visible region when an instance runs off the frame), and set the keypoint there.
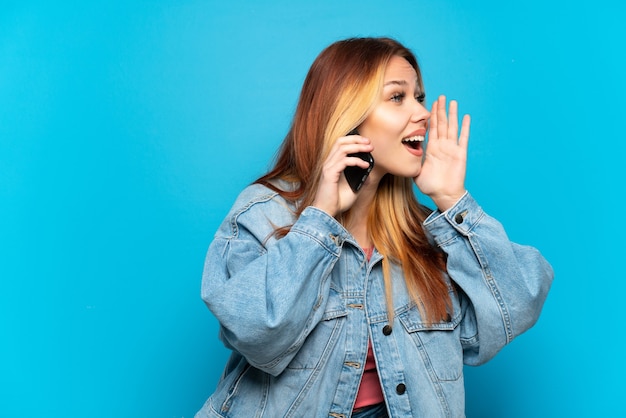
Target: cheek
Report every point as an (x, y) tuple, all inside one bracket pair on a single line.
[(384, 123), (388, 125)]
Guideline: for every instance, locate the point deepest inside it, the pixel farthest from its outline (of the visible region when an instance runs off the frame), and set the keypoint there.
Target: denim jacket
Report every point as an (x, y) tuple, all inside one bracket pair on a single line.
[(297, 312)]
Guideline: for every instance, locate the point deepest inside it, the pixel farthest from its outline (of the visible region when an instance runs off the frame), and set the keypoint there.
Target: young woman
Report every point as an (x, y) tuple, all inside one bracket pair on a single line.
[(338, 303)]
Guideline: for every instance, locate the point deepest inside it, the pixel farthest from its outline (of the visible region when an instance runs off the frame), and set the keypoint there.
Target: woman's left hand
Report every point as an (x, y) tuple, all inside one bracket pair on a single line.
[(442, 176)]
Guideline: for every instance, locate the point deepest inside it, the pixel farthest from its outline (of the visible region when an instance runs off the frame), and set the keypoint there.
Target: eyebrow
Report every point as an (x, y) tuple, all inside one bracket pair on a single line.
[(396, 82)]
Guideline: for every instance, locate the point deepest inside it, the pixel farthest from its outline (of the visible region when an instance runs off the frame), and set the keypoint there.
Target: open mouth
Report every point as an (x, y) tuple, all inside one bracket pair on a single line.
[(414, 142)]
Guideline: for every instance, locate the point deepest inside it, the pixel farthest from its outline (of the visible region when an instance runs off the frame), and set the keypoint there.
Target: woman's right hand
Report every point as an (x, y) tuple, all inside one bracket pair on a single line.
[(334, 195)]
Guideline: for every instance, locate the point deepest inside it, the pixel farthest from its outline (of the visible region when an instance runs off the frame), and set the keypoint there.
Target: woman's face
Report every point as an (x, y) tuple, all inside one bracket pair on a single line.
[(398, 124)]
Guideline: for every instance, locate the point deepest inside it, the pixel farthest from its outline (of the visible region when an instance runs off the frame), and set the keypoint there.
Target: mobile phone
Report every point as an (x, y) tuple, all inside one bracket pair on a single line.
[(355, 175)]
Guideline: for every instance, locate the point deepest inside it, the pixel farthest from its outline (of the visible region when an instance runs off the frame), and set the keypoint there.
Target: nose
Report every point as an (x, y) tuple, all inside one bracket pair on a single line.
[(419, 112)]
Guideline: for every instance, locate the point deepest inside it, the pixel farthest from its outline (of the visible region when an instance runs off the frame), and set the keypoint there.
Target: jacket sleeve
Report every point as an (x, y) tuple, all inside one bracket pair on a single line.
[(504, 285), (269, 294)]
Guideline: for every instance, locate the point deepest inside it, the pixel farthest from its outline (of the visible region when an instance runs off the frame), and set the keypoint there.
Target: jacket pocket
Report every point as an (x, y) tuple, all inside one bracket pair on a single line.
[(438, 343), (323, 337), (241, 393)]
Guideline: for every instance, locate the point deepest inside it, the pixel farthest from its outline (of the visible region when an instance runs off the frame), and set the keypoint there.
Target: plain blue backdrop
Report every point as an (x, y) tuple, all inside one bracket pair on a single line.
[(127, 128)]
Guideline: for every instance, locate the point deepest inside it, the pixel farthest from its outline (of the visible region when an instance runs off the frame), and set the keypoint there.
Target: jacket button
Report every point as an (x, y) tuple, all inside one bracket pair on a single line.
[(458, 218), (336, 239), (400, 389), (387, 330)]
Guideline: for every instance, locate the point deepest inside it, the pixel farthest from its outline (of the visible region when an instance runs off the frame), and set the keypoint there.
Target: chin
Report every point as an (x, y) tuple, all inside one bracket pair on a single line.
[(406, 171), (409, 173)]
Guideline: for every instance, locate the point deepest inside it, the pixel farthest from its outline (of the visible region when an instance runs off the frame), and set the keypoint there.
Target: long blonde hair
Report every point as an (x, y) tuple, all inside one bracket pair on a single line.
[(341, 88)]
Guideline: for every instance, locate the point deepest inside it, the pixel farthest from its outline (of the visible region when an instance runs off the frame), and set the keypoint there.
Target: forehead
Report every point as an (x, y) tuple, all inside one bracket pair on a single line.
[(398, 69)]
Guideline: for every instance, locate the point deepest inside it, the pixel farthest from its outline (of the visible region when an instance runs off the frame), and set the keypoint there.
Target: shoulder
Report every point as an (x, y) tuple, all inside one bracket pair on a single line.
[(259, 210), (253, 195)]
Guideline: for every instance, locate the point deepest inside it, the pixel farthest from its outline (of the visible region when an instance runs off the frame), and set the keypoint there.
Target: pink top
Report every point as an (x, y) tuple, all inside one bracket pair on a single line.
[(370, 392)]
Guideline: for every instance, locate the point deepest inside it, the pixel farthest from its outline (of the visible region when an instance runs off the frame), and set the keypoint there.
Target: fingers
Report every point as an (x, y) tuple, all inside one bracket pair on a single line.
[(453, 124), (432, 134), (340, 157), (445, 124), (352, 144), (442, 118), (334, 195), (465, 131)]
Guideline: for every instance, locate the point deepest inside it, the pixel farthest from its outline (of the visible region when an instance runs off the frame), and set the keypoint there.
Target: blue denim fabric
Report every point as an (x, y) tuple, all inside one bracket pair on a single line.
[(297, 312)]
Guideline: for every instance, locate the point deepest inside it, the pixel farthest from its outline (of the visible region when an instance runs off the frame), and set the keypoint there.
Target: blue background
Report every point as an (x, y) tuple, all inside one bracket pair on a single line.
[(128, 128)]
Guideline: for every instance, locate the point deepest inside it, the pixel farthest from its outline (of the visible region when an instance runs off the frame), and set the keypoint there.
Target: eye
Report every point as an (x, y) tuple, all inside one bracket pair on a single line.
[(421, 98), (398, 97)]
